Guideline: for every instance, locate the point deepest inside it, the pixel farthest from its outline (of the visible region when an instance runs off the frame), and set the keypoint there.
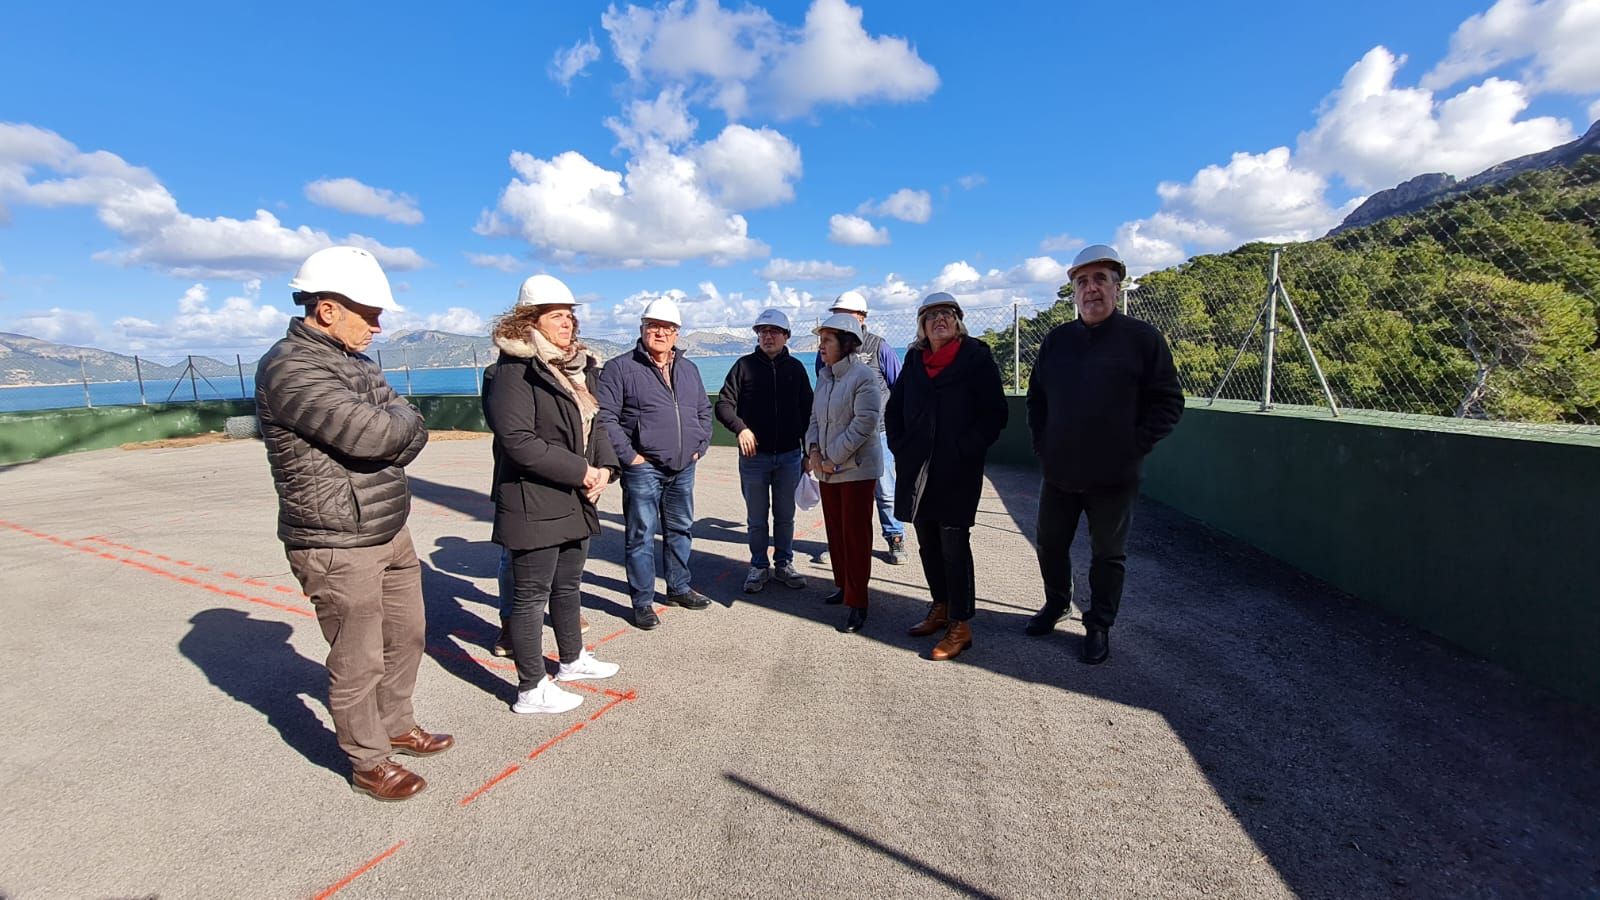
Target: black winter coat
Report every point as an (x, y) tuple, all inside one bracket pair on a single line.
[(338, 438), (771, 396), (1099, 399), (939, 430), (540, 456)]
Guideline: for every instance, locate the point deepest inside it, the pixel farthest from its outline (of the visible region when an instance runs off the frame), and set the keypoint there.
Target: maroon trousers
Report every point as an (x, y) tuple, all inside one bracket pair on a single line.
[(847, 512)]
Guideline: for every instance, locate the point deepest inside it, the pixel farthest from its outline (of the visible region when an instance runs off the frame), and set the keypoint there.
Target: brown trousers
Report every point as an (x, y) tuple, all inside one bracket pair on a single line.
[(369, 602)]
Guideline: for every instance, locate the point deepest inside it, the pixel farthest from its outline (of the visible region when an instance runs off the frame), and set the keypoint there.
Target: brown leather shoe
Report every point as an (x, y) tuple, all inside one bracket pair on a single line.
[(938, 617), (956, 639), (389, 782), (417, 742)]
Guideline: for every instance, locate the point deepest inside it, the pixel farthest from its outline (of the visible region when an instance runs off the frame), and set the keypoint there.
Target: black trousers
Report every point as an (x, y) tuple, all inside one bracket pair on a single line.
[(1110, 513), (547, 575), (947, 564)]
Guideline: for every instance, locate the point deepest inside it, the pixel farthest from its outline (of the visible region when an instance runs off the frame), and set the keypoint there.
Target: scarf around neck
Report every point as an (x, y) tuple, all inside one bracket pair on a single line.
[(568, 367)]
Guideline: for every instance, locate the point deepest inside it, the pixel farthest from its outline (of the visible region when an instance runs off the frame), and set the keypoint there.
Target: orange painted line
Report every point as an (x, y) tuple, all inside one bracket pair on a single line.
[(231, 576), (153, 570), (344, 882), (509, 771), (455, 652), (612, 636), (576, 727)]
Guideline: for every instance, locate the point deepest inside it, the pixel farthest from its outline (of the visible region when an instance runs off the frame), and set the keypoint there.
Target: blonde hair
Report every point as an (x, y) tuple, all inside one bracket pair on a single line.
[(921, 343)]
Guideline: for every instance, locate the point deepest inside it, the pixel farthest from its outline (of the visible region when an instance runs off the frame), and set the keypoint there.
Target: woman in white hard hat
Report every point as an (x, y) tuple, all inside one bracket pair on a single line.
[(842, 449), (550, 468), (945, 410)]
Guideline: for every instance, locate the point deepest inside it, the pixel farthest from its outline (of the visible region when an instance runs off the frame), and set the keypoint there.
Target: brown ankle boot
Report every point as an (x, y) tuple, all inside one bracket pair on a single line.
[(956, 639), (938, 617)]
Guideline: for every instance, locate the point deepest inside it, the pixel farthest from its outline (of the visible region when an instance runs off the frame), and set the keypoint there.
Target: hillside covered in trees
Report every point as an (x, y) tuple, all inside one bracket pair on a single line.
[(1484, 305)]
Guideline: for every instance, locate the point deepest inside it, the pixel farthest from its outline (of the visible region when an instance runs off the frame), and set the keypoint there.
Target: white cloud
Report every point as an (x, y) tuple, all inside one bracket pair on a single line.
[(133, 204), (1556, 38), (455, 320), (351, 196), (854, 231), (239, 321), (665, 119), (656, 212), (735, 59), (975, 180), (747, 168), (1374, 134), (61, 326), (954, 275), (836, 61), (569, 62), (503, 262), (804, 270), (1060, 243), (905, 204)]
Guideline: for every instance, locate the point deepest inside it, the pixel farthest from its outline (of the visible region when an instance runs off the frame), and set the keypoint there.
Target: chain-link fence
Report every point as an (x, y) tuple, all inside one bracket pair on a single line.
[(1485, 305)]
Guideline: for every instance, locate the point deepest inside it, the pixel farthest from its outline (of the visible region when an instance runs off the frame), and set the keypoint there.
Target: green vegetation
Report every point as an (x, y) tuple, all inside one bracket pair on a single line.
[(1486, 304)]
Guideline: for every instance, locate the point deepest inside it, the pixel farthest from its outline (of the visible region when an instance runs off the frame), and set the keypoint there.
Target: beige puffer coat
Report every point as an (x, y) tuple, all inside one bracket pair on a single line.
[(337, 437)]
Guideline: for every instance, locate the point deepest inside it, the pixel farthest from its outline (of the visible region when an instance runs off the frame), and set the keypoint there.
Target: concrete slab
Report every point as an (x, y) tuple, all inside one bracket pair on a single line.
[(1255, 734)]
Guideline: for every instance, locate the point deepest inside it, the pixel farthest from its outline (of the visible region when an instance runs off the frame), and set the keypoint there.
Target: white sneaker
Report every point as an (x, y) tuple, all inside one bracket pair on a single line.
[(787, 576), (545, 698), (756, 580), (586, 666)]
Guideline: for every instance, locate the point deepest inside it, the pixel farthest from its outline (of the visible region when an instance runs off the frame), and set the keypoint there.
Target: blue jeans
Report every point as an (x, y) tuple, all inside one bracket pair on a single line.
[(769, 480), (884, 495), (652, 496)]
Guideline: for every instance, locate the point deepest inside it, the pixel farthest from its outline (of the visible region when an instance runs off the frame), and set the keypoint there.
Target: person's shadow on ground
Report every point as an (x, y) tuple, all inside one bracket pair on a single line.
[(252, 661)]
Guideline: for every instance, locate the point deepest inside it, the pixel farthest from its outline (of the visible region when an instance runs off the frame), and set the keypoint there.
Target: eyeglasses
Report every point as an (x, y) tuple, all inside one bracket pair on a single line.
[(943, 312), (667, 327), (769, 331)]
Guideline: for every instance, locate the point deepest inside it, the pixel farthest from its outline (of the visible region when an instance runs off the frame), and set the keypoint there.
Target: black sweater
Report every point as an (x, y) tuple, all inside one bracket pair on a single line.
[(771, 396), (1099, 399)]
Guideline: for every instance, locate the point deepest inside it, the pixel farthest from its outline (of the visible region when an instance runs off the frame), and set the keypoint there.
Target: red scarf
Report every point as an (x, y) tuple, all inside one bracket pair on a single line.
[(935, 361)]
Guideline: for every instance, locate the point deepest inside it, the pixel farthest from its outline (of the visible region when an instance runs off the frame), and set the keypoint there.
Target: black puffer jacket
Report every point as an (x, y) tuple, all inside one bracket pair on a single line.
[(940, 430), (337, 438), (541, 452)]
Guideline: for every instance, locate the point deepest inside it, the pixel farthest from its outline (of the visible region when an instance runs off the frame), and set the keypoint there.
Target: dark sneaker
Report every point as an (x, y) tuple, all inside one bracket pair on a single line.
[(897, 550), (645, 618), (691, 600)]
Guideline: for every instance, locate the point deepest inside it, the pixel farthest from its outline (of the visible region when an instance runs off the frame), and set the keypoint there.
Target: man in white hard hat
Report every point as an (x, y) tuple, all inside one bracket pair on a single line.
[(338, 438), (1102, 393), (766, 403), (655, 409), (876, 354)]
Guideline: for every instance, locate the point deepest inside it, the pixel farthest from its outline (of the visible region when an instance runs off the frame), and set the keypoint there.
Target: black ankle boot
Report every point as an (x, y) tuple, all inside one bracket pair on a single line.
[(1096, 646), (835, 598), (854, 621)]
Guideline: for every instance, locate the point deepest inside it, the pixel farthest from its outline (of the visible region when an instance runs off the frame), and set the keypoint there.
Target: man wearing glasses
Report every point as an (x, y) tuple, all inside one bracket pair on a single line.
[(654, 408), (1102, 393)]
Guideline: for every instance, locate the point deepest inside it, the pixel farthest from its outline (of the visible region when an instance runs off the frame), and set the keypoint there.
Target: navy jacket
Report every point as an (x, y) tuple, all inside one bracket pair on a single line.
[(668, 426), (1099, 399), (771, 396)]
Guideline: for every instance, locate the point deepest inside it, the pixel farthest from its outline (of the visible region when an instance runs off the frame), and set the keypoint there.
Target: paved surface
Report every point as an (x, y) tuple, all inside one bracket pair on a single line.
[(1255, 734)]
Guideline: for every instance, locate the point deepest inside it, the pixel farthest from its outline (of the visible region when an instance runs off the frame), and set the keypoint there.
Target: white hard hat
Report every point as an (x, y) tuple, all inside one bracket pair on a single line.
[(545, 290), (1098, 253), (850, 301), (350, 272), (661, 310), (939, 298), (774, 317), (840, 322)]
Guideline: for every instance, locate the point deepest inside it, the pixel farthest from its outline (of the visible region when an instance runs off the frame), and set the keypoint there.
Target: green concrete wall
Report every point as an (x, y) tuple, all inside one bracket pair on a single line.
[(36, 434), (1483, 535)]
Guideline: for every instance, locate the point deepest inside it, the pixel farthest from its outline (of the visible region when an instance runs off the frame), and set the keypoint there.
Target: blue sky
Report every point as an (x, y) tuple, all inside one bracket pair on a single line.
[(163, 170)]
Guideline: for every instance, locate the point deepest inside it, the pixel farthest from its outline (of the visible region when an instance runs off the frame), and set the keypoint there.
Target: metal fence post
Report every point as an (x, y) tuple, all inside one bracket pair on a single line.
[(84, 371), (1016, 347), (1269, 337), (240, 361), (407, 357), (138, 373), (193, 388)]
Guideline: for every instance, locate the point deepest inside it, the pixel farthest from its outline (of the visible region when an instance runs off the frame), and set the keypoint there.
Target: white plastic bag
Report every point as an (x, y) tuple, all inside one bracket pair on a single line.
[(807, 494)]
